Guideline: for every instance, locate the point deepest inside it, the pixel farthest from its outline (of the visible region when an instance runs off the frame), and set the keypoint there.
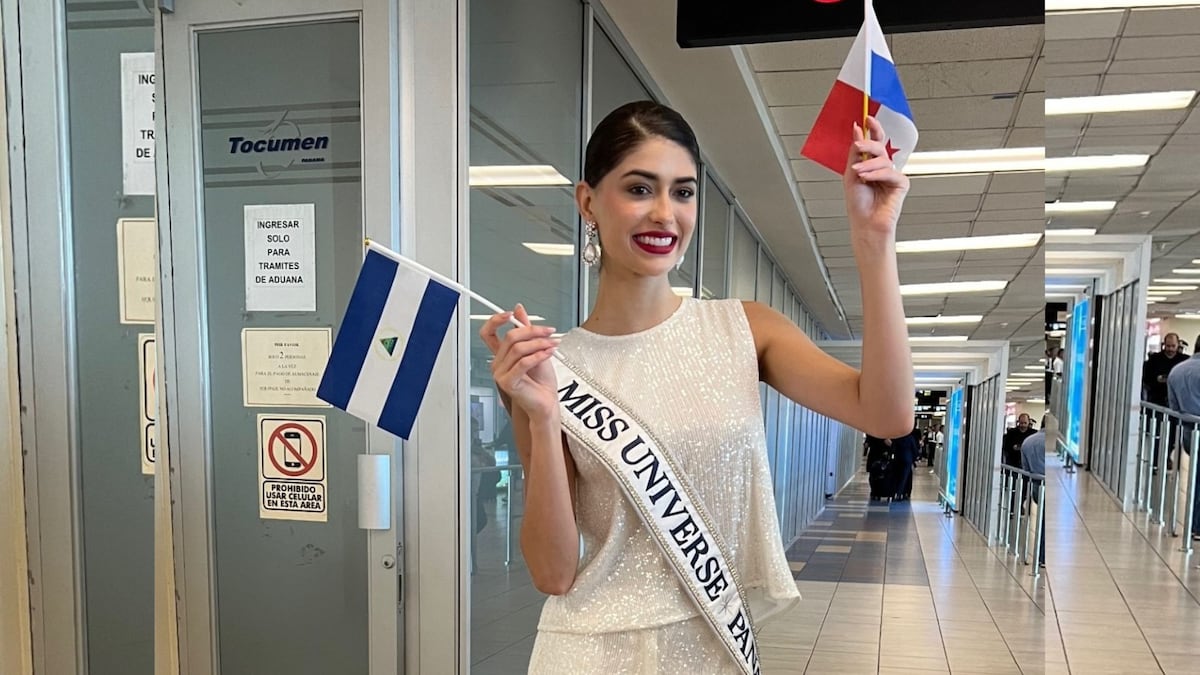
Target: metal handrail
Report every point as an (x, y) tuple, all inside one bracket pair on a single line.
[(1016, 487), (1158, 427)]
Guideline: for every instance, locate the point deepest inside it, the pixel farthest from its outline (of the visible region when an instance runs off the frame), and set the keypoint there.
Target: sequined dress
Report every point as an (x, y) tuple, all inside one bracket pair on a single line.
[(694, 380)]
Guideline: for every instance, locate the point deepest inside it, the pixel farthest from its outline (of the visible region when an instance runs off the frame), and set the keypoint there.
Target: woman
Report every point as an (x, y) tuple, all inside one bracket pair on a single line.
[(691, 368)]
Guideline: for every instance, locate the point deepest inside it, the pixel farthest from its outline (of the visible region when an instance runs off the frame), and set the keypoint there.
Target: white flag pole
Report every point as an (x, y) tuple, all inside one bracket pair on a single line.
[(866, 66), (389, 253)]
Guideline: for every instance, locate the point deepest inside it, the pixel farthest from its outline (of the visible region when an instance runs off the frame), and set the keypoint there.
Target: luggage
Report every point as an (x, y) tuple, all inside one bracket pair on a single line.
[(879, 474)]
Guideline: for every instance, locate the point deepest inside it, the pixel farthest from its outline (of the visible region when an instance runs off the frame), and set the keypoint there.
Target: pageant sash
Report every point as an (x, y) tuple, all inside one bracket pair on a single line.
[(666, 504)]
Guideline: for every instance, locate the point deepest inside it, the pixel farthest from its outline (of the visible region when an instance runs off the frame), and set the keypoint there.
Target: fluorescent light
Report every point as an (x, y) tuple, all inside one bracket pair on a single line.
[(549, 249), (1036, 400), (940, 320), (1060, 295), (1075, 271), (1086, 105), (954, 287), (682, 291), (1079, 207), (1071, 5), (1196, 261), (935, 368), (1187, 316), (975, 161), (1034, 368), (1159, 290), (1185, 271), (937, 338), (1058, 288), (1071, 232), (485, 317), (950, 356), (1094, 162), (1174, 281), (1163, 293), (520, 175), (1151, 299), (969, 243)]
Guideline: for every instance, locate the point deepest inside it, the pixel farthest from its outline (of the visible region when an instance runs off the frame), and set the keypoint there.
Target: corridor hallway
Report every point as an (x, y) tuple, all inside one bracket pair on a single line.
[(1127, 598), (903, 590)]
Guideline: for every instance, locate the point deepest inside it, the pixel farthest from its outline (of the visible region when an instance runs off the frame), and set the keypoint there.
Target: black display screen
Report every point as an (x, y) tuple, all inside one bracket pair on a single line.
[(711, 23)]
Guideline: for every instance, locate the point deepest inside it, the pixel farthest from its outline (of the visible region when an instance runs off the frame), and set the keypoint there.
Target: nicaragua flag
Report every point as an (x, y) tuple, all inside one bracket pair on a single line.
[(869, 68), (388, 342)]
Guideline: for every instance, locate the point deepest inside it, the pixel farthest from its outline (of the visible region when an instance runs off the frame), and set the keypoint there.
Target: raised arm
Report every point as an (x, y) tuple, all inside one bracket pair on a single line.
[(877, 399)]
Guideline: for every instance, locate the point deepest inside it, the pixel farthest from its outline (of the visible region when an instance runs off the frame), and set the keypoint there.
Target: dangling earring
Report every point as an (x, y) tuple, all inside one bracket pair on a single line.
[(591, 252), (679, 263)]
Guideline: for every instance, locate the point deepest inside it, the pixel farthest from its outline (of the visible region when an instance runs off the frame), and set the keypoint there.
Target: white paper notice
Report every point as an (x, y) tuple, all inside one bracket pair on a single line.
[(137, 269), (137, 123), (283, 367), (281, 259)]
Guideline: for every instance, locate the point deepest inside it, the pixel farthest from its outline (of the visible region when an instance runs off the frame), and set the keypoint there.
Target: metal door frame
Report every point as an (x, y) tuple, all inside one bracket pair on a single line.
[(34, 41), (184, 437)]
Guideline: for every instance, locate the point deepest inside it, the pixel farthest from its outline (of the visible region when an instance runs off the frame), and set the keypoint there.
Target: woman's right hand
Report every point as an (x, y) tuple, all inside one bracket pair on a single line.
[(520, 363)]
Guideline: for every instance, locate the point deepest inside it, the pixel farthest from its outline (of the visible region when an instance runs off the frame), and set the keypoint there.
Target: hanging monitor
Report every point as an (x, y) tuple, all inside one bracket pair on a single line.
[(708, 23)]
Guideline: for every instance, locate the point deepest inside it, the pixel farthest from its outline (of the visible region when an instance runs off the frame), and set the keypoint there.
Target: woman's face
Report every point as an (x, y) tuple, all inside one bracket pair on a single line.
[(645, 208)]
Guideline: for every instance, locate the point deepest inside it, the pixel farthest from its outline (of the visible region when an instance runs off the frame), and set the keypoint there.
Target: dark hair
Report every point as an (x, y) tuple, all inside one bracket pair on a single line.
[(625, 128)]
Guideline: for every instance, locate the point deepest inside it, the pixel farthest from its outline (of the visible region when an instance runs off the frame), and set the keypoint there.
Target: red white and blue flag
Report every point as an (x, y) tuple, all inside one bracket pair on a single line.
[(869, 70)]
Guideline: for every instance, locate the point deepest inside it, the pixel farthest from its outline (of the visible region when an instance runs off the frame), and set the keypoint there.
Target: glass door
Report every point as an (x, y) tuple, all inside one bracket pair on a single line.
[(266, 191)]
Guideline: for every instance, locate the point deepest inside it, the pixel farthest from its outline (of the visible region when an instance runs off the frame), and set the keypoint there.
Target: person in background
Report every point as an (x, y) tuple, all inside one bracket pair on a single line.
[(936, 438), (1014, 437), (904, 449), (1154, 386), (1183, 396), (1033, 460), (1049, 370)]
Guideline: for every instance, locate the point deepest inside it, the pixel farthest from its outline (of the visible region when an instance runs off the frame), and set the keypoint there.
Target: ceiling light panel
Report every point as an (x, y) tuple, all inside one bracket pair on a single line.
[(954, 287), (975, 161), (969, 243), (1094, 162), (1089, 105)]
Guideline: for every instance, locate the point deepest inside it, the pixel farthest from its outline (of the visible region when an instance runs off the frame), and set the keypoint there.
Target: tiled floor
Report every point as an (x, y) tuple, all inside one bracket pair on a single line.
[(888, 590), (1127, 598), (903, 590)]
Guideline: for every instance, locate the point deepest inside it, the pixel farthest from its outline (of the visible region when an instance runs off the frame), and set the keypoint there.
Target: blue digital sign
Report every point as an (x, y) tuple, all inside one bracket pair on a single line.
[(954, 427), (1076, 368)]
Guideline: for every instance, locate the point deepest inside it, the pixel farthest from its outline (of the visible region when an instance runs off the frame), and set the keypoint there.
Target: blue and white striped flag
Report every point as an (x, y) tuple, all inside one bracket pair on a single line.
[(388, 342)]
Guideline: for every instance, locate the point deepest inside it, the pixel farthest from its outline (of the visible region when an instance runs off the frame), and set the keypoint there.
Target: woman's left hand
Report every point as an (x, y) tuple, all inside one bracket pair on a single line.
[(875, 188)]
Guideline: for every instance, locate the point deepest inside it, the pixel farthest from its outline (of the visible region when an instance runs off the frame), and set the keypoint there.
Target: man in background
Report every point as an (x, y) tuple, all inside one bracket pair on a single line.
[(1154, 384), (1013, 438)]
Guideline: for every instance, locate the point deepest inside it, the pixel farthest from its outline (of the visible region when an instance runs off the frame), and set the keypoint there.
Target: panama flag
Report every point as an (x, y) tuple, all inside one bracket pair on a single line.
[(868, 69), (389, 341)]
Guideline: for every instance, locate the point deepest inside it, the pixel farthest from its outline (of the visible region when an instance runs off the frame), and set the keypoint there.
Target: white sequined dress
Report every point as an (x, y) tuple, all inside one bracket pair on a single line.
[(694, 380)]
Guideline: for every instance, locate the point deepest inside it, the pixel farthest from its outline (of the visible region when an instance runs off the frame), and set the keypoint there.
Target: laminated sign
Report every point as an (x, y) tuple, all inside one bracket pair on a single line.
[(291, 478)]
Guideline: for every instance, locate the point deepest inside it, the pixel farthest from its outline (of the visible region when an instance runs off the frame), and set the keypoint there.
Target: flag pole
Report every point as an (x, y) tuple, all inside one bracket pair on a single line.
[(866, 73), (866, 65), (389, 253)]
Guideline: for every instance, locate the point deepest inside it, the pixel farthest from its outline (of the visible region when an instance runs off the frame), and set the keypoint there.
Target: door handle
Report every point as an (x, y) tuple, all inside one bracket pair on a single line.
[(374, 492)]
